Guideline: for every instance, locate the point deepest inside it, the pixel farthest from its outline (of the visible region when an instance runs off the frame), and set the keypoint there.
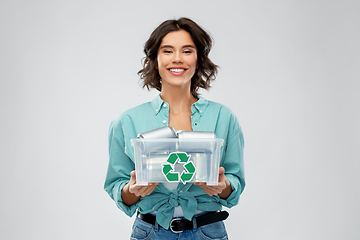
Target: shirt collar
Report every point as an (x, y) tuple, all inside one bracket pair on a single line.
[(199, 105), (157, 103)]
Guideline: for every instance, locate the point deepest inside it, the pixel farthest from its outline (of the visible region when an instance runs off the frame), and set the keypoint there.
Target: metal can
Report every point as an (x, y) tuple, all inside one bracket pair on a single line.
[(200, 161), (195, 134), (163, 132), (196, 141)]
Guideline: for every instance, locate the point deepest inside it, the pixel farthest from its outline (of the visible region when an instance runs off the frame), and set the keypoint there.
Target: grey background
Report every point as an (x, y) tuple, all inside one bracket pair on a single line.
[(289, 70)]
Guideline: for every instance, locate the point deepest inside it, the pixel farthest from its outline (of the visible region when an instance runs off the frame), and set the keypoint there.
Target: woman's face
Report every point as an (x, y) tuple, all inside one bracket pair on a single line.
[(177, 59)]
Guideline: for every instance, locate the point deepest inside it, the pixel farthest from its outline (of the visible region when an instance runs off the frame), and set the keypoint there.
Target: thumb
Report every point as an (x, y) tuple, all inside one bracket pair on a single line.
[(221, 174), (133, 176)]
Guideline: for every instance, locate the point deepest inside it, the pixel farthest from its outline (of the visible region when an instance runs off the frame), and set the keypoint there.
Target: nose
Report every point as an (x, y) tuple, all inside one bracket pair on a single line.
[(177, 58)]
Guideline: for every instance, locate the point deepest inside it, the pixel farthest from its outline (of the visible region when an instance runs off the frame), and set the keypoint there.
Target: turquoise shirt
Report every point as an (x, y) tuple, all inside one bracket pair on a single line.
[(206, 116)]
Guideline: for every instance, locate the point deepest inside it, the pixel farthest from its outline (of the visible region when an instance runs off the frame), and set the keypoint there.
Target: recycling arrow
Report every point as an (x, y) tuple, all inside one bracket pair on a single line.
[(168, 167)]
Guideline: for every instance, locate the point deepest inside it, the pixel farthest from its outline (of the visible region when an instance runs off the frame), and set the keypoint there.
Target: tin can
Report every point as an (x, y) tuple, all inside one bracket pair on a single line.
[(195, 134), (159, 133), (154, 163), (200, 161), (163, 132), (196, 140)]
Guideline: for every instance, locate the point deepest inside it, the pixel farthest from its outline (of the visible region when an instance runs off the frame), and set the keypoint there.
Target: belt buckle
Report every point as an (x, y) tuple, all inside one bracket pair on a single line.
[(171, 227)]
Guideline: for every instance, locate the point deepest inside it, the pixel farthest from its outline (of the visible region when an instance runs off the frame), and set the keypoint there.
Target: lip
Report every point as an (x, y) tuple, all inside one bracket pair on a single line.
[(177, 73)]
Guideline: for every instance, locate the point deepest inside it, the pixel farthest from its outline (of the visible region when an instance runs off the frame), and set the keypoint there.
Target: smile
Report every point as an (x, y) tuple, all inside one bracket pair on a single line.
[(177, 70)]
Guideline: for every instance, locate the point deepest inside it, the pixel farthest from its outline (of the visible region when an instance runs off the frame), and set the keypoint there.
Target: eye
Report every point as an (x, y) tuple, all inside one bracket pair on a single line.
[(187, 51), (167, 51)]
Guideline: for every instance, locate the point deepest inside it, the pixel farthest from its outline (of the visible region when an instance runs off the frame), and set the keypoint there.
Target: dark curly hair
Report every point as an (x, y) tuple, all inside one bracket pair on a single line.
[(206, 71)]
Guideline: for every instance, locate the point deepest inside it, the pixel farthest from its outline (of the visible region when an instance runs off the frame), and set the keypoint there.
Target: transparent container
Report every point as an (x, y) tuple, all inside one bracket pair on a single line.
[(191, 160)]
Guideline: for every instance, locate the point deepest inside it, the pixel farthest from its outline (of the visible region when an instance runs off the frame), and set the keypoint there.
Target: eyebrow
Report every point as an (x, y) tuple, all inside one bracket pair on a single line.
[(185, 46)]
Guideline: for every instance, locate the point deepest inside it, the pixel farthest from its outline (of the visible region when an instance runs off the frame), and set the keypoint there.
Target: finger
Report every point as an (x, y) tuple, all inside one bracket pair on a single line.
[(136, 189), (133, 177), (219, 189), (148, 190), (211, 192), (153, 183), (200, 184), (150, 184), (221, 173), (222, 182), (215, 190)]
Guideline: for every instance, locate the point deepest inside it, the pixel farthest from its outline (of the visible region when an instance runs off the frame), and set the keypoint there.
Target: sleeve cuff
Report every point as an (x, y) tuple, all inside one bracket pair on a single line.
[(233, 199), (128, 210)]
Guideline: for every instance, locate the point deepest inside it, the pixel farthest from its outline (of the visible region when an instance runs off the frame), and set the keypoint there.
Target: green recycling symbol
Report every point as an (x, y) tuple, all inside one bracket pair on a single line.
[(168, 168)]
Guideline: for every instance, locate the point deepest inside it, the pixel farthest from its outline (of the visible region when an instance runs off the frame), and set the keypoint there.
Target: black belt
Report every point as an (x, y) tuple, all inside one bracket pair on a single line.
[(178, 225)]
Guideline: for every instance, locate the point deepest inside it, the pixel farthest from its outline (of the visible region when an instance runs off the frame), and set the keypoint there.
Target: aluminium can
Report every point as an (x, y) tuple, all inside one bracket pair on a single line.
[(195, 134), (163, 132), (197, 141)]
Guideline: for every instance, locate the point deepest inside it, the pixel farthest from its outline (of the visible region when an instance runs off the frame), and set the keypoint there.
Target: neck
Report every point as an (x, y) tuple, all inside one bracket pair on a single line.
[(179, 99)]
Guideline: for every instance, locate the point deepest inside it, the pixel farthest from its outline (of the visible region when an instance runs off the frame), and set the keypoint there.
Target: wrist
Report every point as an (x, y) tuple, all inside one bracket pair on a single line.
[(127, 197), (227, 190)]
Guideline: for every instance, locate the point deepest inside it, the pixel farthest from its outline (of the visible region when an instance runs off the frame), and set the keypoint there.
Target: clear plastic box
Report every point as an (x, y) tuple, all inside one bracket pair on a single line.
[(192, 160)]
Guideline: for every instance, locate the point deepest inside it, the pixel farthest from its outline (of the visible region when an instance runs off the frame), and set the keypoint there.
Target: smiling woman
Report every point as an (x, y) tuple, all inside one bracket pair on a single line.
[(177, 60), (199, 41), (177, 65)]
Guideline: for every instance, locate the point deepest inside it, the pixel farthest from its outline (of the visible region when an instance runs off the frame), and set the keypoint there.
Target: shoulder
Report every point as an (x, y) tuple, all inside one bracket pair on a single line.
[(138, 110), (223, 110), (227, 122), (132, 113)]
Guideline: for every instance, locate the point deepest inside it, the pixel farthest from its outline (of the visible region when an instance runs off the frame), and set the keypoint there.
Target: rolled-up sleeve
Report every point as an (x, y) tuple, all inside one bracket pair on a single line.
[(233, 163), (120, 166)]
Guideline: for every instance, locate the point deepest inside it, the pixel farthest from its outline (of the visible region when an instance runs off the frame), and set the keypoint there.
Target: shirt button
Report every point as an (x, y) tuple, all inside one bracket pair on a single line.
[(200, 111), (164, 121), (165, 105), (195, 124)]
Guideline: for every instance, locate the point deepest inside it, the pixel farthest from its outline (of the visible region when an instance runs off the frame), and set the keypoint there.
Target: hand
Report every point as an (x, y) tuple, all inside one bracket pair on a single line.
[(223, 189), (140, 190), (132, 192)]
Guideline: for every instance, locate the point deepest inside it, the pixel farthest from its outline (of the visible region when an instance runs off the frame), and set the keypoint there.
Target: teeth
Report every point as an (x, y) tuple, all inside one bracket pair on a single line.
[(177, 69)]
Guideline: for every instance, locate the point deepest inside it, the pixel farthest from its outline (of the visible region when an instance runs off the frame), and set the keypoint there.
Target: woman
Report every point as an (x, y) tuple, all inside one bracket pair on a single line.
[(177, 65)]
